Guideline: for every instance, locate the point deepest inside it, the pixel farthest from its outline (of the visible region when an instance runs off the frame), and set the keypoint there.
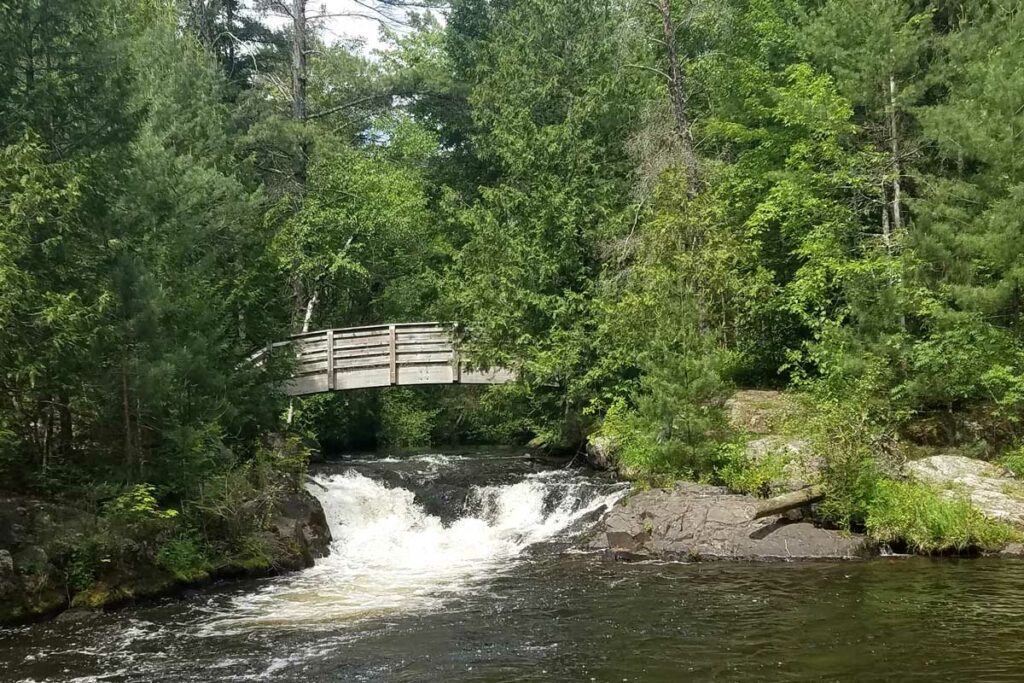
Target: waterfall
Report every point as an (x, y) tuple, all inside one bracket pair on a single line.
[(389, 555)]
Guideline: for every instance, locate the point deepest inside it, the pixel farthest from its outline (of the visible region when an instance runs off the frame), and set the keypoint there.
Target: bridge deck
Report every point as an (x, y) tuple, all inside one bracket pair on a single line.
[(380, 356)]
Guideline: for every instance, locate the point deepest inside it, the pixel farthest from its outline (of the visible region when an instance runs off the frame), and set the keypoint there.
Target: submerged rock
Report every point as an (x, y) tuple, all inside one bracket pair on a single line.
[(697, 522), (992, 489)]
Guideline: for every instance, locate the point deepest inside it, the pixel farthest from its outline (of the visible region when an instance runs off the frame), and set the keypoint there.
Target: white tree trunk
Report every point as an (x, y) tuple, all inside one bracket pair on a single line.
[(310, 305)]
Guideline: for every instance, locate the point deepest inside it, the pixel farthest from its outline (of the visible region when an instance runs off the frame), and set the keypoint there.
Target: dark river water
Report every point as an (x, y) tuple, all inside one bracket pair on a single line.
[(469, 574)]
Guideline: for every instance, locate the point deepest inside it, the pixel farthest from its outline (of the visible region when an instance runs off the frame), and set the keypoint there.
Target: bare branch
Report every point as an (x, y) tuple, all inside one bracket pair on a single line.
[(347, 105)]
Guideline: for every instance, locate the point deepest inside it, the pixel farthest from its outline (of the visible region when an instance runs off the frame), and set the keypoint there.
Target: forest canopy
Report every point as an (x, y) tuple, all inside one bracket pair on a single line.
[(639, 205)]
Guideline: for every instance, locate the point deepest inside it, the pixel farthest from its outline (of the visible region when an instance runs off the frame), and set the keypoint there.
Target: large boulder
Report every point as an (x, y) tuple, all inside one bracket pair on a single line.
[(602, 453), (298, 532), (992, 489), (31, 532), (757, 411), (697, 522)]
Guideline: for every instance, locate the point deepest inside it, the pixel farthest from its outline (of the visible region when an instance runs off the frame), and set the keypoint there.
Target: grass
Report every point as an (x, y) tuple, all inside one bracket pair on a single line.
[(929, 522), (1013, 460)]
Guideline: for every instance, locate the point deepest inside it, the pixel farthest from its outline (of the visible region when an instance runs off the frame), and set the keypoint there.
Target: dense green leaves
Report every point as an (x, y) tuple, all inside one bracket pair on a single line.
[(850, 224)]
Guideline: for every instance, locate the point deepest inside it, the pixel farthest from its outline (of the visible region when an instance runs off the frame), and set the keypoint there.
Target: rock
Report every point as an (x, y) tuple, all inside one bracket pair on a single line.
[(6, 564), (299, 531), (602, 453), (992, 489), (1013, 550), (981, 426), (800, 466), (78, 615), (757, 411), (697, 522)]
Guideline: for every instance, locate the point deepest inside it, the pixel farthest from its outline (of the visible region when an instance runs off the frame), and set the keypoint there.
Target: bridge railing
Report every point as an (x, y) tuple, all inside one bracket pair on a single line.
[(378, 356)]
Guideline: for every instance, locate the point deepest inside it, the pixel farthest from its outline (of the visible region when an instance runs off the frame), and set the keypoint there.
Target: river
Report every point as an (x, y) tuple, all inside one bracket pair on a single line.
[(463, 568)]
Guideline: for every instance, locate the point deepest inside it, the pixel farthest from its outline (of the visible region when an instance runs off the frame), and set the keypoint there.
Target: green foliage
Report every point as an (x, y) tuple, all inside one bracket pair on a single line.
[(184, 558), (928, 521), (755, 477), (521, 170), (1013, 460), (137, 504), (406, 420)]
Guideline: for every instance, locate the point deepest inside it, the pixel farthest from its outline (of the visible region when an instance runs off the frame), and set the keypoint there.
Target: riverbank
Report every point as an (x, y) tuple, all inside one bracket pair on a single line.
[(905, 487), (490, 586), (56, 555)]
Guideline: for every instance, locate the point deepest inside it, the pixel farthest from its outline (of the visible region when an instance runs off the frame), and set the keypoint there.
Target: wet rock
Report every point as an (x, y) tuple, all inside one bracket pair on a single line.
[(757, 411), (697, 522), (6, 564), (991, 488), (602, 453), (1013, 550), (300, 518), (78, 615)]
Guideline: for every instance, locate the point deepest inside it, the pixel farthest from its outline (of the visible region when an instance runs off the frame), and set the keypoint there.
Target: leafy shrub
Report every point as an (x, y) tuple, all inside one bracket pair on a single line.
[(928, 522), (745, 475), (1013, 460), (405, 420), (185, 558), (647, 449), (138, 503)]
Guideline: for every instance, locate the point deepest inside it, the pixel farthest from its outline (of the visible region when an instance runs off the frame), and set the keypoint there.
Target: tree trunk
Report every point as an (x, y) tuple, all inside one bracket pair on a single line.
[(229, 21), (894, 144), (886, 226), (677, 93), (299, 77), (129, 459), (790, 501), (305, 328)]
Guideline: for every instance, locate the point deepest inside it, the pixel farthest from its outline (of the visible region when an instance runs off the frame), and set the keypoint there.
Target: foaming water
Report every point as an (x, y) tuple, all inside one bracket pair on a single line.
[(389, 555)]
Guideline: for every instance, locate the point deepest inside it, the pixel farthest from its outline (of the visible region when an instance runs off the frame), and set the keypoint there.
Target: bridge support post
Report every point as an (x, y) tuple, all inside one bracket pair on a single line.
[(393, 354), (330, 360)]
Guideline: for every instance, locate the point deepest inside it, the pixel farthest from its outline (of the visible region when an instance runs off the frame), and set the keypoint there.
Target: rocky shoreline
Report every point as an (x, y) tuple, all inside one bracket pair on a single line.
[(41, 546), (691, 522)]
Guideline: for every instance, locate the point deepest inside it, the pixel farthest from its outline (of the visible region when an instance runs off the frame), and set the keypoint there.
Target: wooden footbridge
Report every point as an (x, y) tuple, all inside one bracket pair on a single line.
[(378, 356)]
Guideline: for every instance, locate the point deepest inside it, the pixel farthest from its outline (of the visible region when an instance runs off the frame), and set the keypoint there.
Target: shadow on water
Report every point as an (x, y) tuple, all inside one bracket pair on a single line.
[(490, 602)]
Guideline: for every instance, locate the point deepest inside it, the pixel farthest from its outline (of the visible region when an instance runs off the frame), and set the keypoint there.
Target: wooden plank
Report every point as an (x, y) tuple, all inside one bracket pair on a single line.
[(382, 360), (300, 386), (440, 373), (424, 358), (364, 378), (424, 348), (456, 365), (345, 360), (391, 351), (363, 343), (422, 337), (330, 360)]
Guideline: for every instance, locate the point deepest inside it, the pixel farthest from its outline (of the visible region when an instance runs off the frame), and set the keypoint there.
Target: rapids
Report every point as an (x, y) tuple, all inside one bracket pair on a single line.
[(464, 569)]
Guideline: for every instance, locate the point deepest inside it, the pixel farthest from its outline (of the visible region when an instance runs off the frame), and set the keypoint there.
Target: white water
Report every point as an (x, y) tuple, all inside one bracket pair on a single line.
[(389, 555)]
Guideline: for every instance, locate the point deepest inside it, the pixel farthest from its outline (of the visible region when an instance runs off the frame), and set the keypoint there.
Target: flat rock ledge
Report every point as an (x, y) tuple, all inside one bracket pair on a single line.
[(991, 488), (692, 522)]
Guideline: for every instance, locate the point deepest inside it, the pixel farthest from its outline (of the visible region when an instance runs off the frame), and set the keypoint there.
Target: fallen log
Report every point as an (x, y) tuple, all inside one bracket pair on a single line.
[(790, 501)]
